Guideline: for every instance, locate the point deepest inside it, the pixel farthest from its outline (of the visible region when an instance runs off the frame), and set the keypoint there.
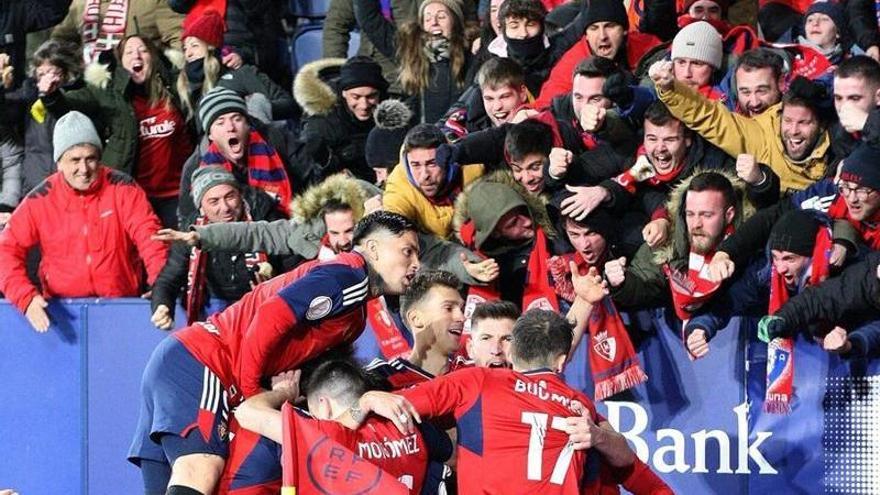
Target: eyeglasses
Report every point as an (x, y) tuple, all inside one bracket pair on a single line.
[(860, 193)]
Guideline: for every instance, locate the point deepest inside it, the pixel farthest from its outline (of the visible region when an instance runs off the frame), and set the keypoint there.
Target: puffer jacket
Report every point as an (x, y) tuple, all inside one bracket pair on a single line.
[(94, 243)]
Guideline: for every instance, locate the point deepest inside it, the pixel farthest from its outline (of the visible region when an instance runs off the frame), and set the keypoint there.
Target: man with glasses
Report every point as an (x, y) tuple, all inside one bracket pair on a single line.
[(858, 200)]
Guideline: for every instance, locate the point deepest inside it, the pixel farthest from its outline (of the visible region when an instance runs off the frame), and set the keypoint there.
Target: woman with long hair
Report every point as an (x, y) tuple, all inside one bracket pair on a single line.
[(432, 52), (137, 113), (202, 40)]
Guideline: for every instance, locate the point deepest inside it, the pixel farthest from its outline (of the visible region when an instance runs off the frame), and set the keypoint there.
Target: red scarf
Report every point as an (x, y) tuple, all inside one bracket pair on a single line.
[(613, 361), (869, 231), (643, 171), (196, 281), (100, 35), (265, 169), (780, 351), (388, 335)]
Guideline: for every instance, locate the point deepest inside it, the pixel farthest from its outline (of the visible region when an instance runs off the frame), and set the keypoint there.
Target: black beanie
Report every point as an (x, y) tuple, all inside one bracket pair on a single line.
[(607, 11), (862, 167), (795, 232), (361, 71), (382, 149)]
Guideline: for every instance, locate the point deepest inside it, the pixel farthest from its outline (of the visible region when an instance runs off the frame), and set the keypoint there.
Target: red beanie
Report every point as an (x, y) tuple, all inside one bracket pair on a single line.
[(208, 28)]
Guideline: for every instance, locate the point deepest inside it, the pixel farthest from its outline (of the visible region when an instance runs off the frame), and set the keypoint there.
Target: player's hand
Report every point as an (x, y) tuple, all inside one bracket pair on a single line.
[(233, 60), (592, 117), (287, 382), (697, 344), (873, 52), (6, 71), (590, 287), (656, 232), (583, 201), (747, 169), (721, 267), (162, 318), (374, 203), (583, 433), (8, 491), (560, 159), (837, 341), (190, 238), (524, 114), (615, 271), (4, 219), (661, 74), (838, 255), (392, 407), (484, 271), (852, 118), (36, 314)]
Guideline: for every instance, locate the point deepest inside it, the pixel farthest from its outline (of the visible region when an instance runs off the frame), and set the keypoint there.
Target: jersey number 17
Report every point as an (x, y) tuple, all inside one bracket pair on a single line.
[(538, 423)]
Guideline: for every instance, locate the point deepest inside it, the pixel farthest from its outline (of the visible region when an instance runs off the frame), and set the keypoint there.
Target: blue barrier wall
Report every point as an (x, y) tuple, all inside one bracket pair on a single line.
[(72, 403)]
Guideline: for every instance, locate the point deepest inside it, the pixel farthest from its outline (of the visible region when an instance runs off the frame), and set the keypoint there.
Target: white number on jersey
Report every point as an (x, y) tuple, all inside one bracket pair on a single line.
[(538, 424)]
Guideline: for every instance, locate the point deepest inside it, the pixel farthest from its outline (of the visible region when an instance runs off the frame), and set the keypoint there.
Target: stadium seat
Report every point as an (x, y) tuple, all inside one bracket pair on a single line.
[(307, 45), (311, 9), (354, 42)]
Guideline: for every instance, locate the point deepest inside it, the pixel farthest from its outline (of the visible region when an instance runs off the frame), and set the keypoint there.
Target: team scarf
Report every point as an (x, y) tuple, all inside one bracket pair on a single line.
[(692, 288), (265, 169), (196, 279), (643, 171), (100, 35), (869, 230), (388, 334), (780, 351), (613, 362)]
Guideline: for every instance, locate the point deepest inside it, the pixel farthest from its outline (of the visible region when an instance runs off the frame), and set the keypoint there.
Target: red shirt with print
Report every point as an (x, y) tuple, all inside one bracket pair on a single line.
[(164, 144)]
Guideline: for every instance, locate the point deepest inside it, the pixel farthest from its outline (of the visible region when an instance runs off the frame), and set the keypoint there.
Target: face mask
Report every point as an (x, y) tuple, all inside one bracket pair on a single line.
[(525, 50), (195, 70)]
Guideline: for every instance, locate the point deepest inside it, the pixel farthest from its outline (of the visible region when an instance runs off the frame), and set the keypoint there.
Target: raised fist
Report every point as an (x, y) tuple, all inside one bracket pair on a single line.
[(615, 271), (747, 169), (661, 73), (592, 117), (560, 159)]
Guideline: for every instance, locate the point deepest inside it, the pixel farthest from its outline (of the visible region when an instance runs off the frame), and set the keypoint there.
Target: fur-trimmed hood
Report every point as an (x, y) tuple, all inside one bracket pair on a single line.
[(677, 245), (311, 88), (339, 187), (475, 195)]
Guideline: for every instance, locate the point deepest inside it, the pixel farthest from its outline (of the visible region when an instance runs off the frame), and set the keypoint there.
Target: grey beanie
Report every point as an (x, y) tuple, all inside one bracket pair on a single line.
[(698, 41), (72, 129), (207, 177), (217, 102)]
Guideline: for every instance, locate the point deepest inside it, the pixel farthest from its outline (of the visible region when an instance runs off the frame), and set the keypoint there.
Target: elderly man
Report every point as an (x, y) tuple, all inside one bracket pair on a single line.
[(92, 224), (226, 274)]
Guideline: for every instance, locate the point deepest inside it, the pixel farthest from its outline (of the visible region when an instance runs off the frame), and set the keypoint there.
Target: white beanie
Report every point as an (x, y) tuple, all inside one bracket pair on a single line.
[(72, 129), (698, 41)]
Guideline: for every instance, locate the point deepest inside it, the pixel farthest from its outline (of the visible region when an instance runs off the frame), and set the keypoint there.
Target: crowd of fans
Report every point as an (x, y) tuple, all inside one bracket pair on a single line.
[(716, 158)]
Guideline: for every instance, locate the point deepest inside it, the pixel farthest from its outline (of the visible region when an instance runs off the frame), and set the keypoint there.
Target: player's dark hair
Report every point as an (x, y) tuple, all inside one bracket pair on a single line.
[(494, 310), (498, 72), (860, 66), (340, 379), (424, 136), (423, 283), (527, 138), (713, 181), (382, 221), (540, 337), (758, 59)]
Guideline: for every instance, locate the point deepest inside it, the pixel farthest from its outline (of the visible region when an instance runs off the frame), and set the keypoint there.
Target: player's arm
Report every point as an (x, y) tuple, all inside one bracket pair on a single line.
[(587, 432), (323, 293), (262, 412)]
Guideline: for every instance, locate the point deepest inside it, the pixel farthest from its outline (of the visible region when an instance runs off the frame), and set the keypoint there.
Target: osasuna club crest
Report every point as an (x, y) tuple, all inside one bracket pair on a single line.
[(605, 346)]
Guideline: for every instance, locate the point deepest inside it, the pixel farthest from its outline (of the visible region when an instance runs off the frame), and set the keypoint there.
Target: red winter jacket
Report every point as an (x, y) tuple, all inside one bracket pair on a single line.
[(91, 242), (559, 81)]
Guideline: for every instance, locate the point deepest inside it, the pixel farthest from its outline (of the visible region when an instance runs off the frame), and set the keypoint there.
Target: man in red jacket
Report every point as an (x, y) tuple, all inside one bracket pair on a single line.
[(92, 224)]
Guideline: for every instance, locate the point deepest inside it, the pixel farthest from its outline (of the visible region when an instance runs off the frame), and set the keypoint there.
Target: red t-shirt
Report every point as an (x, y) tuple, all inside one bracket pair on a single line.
[(509, 429), (378, 441), (164, 144)]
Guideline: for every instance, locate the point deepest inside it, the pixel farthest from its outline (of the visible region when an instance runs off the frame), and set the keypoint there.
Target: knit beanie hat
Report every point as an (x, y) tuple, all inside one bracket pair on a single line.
[(832, 10), (382, 149), (72, 129), (862, 167), (454, 7), (795, 232), (698, 41), (219, 101), (361, 71), (607, 11), (208, 28), (204, 178)]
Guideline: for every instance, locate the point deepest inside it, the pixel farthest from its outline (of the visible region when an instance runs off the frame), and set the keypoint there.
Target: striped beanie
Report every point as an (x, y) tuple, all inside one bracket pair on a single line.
[(204, 178), (219, 101)]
